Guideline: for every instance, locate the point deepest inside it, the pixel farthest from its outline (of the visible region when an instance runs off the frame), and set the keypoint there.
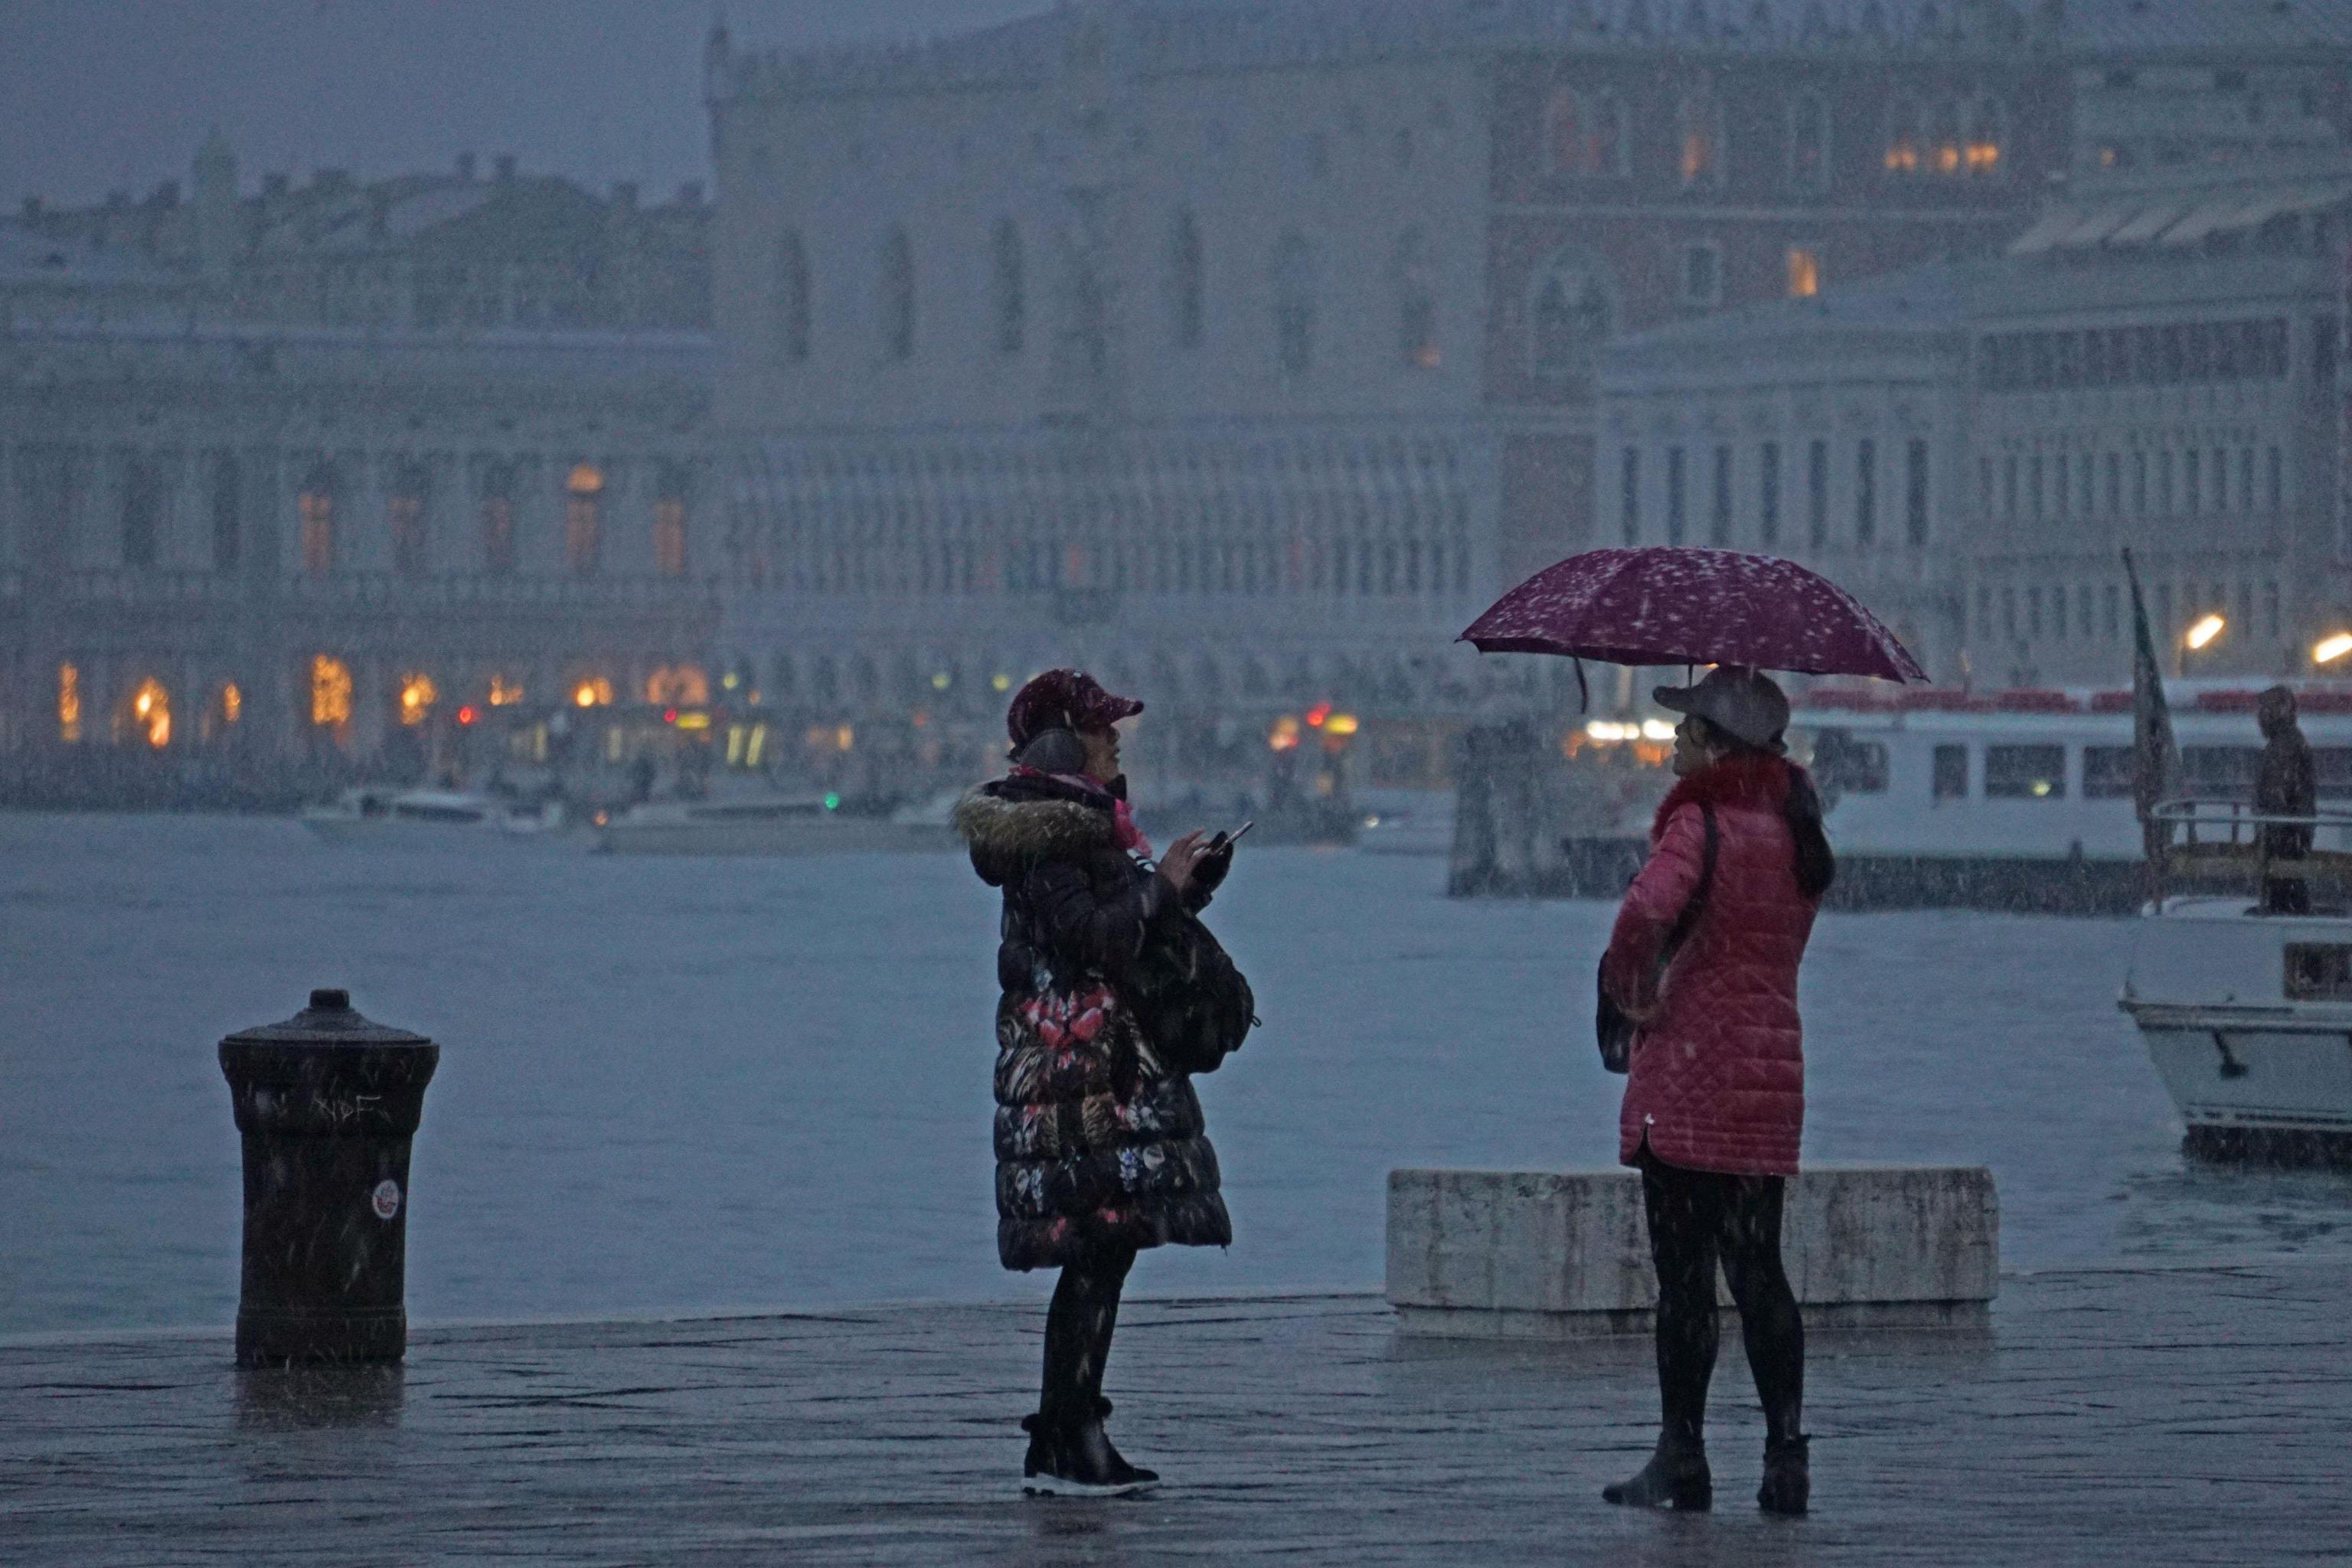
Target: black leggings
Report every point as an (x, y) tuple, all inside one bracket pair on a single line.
[(1696, 1217), (1078, 1326)]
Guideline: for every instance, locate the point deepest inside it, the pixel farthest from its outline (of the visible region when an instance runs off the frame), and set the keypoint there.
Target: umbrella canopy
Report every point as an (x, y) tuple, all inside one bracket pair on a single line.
[(1685, 605)]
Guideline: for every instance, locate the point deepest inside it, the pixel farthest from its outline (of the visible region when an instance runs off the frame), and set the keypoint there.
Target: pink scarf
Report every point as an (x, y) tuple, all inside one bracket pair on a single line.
[(1122, 821)]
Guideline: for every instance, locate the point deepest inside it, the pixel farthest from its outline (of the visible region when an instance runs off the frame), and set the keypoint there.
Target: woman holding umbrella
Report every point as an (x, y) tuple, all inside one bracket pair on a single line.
[(1704, 957), (1715, 1101)]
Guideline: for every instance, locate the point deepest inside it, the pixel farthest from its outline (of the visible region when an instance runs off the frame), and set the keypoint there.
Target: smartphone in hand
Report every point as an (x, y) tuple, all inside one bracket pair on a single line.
[(1224, 840)]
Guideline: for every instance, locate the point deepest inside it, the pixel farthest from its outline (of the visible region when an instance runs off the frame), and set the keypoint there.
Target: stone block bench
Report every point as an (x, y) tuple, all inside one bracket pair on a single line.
[(1563, 1254)]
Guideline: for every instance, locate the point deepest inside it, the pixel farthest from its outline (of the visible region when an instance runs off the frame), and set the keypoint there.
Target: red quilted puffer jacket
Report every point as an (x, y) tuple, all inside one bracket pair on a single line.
[(1718, 1079)]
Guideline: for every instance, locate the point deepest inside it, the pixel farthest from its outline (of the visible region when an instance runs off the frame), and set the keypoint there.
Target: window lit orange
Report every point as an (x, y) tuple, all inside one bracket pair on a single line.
[(232, 703), (1804, 273), (684, 684), (331, 692), (594, 691), (583, 522), (149, 713), (504, 691), (68, 703), (417, 695)]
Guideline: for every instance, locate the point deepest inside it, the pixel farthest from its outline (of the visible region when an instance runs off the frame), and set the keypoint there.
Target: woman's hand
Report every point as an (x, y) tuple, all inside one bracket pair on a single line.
[(1176, 865)]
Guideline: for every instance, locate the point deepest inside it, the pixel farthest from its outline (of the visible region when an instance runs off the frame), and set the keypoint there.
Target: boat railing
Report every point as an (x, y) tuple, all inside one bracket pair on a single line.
[(2219, 844)]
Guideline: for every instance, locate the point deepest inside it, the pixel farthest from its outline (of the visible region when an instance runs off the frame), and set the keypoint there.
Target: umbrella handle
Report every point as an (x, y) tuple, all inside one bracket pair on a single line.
[(1584, 692)]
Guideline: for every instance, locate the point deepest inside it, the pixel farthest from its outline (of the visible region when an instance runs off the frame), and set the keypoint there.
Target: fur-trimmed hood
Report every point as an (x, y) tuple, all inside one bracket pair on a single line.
[(1006, 828)]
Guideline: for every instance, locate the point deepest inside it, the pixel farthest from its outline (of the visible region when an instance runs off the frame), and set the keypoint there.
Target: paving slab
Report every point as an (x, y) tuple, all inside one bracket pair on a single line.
[(2163, 1417)]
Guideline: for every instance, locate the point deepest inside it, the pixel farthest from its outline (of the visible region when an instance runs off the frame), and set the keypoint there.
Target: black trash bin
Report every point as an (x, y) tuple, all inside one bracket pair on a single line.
[(326, 1103)]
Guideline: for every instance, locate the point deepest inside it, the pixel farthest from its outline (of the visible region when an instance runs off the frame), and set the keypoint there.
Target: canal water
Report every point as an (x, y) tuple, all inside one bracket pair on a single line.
[(696, 1084)]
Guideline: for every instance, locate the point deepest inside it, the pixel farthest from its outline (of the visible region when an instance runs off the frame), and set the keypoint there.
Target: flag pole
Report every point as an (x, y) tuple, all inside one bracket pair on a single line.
[(2156, 754)]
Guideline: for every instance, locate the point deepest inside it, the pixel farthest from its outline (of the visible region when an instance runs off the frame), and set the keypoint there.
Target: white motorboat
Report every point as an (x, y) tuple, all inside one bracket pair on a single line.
[(782, 826), (2248, 1015), (370, 813)]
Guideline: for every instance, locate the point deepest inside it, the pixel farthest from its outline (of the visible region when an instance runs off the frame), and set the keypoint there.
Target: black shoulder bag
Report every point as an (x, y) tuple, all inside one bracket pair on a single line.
[(1611, 1026)]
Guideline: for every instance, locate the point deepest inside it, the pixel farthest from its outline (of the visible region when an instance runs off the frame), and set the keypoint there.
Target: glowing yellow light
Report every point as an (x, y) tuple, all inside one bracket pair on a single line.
[(1947, 158), (1341, 725), (232, 703), (1001, 683), (758, 743), (69, 702), (586, 480), (593, 693), (151, 706), (684, 685), (504, 691), (1804, 274), (1608, 731), (1983, 157), (2205, 631), (844, 737), (2329, 650), (2040, 788), (694, 720), (1284, 736), (417, 695), (330, 691), (1654, 730), (942, 681)]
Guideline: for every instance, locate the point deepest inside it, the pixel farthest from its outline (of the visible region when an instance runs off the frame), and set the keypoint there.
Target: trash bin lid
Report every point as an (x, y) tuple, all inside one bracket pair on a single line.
[(329, 1020)]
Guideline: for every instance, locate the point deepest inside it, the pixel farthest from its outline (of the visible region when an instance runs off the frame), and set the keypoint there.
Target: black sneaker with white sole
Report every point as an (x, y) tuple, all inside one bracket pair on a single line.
[(1078, 1460)]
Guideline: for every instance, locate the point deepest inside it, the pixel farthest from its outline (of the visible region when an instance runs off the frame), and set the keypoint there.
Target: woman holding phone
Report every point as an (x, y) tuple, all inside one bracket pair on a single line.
[(1114, 994)]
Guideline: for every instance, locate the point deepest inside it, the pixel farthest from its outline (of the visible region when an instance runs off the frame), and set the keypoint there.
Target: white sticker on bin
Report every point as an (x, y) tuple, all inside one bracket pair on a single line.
[(386, 1198)]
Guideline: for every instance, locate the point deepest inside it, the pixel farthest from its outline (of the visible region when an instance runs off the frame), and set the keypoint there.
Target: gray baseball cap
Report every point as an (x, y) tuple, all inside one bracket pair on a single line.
[(1742, 702)]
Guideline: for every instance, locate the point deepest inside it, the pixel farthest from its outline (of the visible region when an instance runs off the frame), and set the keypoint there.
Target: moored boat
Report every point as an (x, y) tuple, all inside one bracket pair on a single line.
[(810, 824), (2247, 1013), (373, 813)]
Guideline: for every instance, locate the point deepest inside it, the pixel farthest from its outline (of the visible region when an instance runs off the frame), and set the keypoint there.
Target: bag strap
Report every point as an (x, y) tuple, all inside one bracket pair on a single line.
[(1687, 921)]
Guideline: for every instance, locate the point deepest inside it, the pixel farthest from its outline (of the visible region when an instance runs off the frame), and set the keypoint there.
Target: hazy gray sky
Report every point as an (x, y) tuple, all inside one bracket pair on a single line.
[(99, 94)]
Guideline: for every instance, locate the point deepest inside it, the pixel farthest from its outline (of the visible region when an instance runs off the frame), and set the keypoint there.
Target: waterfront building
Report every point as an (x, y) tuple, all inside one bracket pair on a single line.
[(1248, 351), (312, 480), (2155, 364)]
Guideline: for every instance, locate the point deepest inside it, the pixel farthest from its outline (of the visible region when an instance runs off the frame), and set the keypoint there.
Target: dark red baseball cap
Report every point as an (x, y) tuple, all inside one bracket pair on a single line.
[(1065, 699)]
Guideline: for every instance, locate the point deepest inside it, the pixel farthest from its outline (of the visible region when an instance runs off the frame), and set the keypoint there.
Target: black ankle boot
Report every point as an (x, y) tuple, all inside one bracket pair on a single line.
[(1076, 1459), (1788, 1477), (1675, 1477)]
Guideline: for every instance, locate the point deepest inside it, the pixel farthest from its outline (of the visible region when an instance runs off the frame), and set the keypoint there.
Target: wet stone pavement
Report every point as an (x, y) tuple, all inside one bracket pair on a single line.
[(2162, 1416)]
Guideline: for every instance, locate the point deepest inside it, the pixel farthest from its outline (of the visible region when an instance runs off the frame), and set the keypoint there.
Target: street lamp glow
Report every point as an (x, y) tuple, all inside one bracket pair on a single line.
[(2329, 650), (2205, 631)]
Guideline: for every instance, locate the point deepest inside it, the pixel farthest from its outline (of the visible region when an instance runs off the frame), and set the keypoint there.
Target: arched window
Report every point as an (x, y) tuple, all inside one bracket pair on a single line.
[(669, 523), (896, 312), (1607, 139), (1293, 304), (1416, 284), (584, 490), (142, 513), (1701, 126), (1571, 311), (1903, 134), (792, 306), (1988, 138), (316, 506), (499, 519), (1011, 295), (1942, 151), (403, 515), (228, 512), (1187, 288), (1564, 134), (1809, 142)]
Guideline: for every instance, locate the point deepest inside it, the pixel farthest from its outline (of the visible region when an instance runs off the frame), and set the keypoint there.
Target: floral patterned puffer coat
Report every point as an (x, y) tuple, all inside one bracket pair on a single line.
[(1114, 994)]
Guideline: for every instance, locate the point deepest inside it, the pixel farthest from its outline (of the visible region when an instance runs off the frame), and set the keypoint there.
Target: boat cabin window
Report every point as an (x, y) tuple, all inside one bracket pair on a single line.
[(2219, 772), (2106, 773), (1844, 765), (2317, 971), (2025, 772), (434, 811), (1951, 773)]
